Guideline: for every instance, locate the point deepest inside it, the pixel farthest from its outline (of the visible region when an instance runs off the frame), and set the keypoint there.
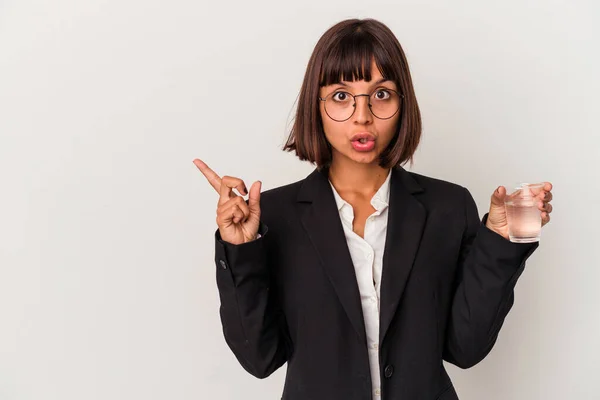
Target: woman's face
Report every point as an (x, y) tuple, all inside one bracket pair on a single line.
[(340, 134)]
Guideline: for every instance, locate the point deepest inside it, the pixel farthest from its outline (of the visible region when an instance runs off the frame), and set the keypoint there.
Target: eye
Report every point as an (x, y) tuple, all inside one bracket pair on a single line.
[(382, 94), (341, 96)]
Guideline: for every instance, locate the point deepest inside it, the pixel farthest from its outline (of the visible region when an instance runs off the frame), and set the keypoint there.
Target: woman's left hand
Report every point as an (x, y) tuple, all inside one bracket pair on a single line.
[(497, 217)]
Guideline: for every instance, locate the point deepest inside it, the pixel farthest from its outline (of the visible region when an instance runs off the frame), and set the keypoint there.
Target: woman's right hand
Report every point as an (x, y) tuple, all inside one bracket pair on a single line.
[(238, 222)]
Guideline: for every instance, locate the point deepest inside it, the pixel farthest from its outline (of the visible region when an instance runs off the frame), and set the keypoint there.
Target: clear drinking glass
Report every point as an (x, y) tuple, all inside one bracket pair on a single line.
[(523, 215)]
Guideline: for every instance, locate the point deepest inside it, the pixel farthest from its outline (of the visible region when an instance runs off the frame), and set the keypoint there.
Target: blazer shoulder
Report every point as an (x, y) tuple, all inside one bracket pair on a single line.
[(287, 192), (277, 204), (442, 195), (437, 186)]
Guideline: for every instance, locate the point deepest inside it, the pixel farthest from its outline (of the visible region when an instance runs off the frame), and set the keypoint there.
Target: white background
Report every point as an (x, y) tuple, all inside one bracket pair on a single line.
[(107, 285)]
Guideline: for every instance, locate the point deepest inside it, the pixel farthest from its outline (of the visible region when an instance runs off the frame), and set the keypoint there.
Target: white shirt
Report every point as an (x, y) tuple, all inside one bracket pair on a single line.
[(367, 257)]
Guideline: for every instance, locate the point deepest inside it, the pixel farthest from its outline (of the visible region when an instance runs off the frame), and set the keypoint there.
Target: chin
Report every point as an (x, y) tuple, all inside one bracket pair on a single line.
[(371, 157), (365, 158)]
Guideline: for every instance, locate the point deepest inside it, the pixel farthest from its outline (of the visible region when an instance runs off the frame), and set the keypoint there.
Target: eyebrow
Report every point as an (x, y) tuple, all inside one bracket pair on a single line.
[(375, 83)]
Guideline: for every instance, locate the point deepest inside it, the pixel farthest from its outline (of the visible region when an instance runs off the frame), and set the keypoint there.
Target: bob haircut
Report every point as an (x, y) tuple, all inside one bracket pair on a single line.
[(345, 52)]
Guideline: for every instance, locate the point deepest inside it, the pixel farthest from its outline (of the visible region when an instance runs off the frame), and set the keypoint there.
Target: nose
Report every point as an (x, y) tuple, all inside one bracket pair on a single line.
[(362, 111)]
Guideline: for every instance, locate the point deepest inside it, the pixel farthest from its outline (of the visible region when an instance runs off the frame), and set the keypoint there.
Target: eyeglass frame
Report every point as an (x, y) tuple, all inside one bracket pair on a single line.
[(354, 96)]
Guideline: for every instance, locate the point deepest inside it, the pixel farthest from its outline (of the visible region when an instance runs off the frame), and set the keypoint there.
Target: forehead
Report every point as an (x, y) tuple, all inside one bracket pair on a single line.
[(358, 85), (364, 83), (358, 79)]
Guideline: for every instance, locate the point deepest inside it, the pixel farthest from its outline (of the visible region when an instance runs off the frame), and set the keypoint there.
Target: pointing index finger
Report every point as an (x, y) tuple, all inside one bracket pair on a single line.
[(210, 175)]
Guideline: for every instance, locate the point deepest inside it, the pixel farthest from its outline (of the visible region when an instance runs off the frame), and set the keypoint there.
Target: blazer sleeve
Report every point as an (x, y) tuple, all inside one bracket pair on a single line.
[(487, 272), (254, 326)]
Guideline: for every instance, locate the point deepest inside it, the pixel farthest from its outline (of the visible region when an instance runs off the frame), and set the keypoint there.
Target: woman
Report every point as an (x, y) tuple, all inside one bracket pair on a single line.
[(363, 276)]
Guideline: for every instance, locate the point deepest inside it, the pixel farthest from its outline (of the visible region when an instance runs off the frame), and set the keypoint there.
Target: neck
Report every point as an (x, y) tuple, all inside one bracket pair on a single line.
[(354, 177)]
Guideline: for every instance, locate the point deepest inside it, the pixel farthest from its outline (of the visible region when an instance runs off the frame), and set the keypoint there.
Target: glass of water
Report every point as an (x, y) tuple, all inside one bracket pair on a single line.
[(523, 215)]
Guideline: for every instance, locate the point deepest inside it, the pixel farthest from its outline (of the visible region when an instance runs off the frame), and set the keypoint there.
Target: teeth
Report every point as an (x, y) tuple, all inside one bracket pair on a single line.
[(363, 140)]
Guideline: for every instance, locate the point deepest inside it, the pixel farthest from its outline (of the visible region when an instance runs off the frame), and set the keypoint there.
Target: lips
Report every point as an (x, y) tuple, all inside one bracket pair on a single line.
[(363, 137)]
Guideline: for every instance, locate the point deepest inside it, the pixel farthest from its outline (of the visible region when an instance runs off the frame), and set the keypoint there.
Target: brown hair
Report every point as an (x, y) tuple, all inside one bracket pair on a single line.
[(345, 52)]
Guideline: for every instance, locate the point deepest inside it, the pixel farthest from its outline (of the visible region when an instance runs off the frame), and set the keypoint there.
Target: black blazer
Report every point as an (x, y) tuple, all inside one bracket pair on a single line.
[(292, 295)]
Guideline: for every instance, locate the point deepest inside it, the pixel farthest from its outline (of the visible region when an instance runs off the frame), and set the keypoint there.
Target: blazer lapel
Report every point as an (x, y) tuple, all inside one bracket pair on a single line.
[(320, 218), (406, 220)]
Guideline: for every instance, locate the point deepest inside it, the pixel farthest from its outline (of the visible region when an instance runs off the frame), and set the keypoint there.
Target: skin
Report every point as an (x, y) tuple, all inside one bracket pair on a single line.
[(355, 175), (238, 222)]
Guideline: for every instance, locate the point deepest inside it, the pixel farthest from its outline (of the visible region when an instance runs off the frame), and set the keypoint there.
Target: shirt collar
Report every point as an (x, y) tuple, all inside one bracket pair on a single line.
[(379, 201)]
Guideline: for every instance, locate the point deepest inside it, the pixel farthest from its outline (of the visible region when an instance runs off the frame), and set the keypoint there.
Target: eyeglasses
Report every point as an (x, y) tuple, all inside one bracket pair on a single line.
[(384, 103)]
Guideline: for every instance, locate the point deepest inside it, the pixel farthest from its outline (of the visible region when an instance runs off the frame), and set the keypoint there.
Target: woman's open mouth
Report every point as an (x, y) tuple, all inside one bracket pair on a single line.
[(363, 144)]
